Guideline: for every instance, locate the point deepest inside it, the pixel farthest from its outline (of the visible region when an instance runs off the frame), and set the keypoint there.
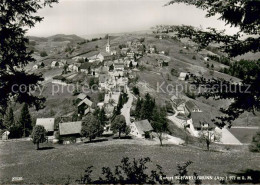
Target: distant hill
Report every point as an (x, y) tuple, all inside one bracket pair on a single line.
[(38, 39), (63, 37), (90, 36)]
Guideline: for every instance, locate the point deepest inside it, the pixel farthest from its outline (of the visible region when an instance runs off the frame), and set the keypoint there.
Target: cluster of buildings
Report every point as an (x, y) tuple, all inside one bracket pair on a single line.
[(189, 116)]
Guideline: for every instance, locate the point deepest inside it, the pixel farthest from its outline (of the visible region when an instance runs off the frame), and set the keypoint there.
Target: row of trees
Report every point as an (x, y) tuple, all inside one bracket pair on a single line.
[(20, 128), (93, 125)]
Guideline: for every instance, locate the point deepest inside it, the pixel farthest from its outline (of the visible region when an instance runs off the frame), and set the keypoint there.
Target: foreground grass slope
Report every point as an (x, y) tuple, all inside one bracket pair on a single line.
[(66, 163)]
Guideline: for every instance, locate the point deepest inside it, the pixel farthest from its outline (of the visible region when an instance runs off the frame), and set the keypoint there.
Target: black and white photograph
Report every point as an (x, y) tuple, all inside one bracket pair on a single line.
[(129, 92)]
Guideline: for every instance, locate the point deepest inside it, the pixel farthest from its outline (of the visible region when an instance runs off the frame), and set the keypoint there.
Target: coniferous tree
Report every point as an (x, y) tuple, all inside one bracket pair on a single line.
[(14, 53), (8, 118), (25, 120), (138, 108)]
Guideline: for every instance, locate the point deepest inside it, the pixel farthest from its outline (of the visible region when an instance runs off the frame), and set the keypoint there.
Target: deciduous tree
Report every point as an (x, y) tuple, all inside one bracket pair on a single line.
[(118, 125), (38, 135), (91, 127)]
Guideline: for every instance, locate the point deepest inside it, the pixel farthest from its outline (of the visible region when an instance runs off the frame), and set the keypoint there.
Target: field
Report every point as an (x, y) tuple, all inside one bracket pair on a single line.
[(66, 163), (244, 135)]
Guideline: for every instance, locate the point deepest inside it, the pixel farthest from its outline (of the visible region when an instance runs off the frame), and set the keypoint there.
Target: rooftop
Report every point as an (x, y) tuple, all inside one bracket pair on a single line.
[(69, 128)]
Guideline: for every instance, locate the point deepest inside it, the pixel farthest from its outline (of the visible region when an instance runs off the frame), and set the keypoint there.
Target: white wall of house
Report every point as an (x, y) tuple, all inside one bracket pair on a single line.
[(135, 132)]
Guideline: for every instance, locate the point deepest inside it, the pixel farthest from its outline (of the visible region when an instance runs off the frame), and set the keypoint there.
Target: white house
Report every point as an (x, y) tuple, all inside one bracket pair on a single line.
[(47, 123), (54, 64), (141, 129), (182, 76), (179, 105)]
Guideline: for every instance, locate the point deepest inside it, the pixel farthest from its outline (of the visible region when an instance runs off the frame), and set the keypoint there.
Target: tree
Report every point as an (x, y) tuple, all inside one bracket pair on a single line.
[(255, 145), (8, 118), (25, 120), (43, 54), (118, 125), (131, 65), (159, 122), (138, 107), (243, 15), (208, 136), (91, 127), (147, 107), (136, 90), (38, 135), (14, 53), (102, 117)]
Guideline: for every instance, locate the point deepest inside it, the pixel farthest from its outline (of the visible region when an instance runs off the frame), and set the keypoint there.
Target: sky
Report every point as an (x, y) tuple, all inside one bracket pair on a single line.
[(87, 17)]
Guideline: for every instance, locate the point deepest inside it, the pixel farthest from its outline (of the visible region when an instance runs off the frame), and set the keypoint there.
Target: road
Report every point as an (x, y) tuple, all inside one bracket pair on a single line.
[(125, 111)]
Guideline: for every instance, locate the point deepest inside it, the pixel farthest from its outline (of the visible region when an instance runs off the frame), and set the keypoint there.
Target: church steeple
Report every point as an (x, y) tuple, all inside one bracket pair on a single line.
[(108, 45)]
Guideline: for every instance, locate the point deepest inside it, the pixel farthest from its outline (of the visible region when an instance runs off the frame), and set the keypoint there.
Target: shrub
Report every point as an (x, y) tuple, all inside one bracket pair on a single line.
[(43, 54), (255, 145)]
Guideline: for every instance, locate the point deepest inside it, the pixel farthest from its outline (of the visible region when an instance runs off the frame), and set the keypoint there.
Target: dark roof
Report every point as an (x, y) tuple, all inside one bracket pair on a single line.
[(191, 105), (85, 65), (178, 102), (59, 77), (143, 126), (69, 128), (199, 118)]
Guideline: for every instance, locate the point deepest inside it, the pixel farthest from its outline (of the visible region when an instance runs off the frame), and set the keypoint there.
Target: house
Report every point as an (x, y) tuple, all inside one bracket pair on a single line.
[(108, 63), (47, 123), (84, 107), (119, 66), (94, 58), (102, 81), (112, 98), (103, 56), (152, 50), (81, 96), (69, 130), (39, 65), (54, 64), (59, 80), (162, 63), (5, 135), (179, 105), (78, 58), (141, 129), (129, 43), (130, 54), (35, 66), (206, 59), (124, 51), (62, 63), (183, 76), (202, 121), (74, 67), (85, 67), (192, 107), (113, 52)]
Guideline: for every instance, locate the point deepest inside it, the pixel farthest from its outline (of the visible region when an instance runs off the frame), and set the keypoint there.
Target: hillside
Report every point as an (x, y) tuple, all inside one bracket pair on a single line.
[(182, 57)]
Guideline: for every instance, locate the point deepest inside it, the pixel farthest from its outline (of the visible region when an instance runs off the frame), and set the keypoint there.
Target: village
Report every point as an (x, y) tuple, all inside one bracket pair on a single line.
[(113, 74)]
